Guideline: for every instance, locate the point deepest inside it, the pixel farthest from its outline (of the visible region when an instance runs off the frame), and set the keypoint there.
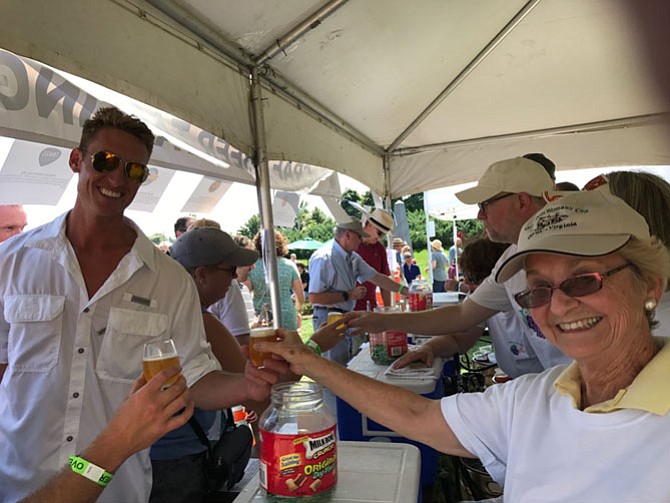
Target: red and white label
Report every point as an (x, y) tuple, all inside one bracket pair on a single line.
[(298, 465), (420, 301)]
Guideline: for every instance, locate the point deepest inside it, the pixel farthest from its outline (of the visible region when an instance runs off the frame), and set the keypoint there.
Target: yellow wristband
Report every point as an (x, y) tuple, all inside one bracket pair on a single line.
[(90, 471)]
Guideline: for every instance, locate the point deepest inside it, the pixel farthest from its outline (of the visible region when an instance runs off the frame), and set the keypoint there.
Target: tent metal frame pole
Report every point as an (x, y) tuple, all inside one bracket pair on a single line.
[(264, 198), (298, 31), (635, 121), (507, 29)]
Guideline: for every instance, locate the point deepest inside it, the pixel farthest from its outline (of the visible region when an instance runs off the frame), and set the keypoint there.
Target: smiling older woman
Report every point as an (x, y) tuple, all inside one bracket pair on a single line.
[(594, 431)]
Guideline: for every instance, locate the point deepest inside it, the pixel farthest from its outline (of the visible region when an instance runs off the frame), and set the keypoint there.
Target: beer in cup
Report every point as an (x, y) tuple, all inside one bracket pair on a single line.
[(333, 317), (260, 334), (159, 355)]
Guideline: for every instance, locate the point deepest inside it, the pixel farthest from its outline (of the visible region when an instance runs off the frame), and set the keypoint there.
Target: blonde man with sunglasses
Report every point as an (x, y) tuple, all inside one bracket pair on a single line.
[(79, 297)]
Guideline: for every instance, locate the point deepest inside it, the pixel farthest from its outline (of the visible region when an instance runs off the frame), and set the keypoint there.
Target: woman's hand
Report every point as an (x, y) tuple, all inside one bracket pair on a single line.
[(365, 322), (291, 349)]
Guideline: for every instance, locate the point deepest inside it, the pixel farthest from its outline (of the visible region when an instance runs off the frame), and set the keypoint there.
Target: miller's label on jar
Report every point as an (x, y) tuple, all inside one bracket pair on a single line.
[(298, 465)]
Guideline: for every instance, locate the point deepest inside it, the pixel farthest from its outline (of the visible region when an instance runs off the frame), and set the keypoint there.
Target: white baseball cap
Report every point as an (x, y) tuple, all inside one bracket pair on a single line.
[(588, 224), (511, 175)]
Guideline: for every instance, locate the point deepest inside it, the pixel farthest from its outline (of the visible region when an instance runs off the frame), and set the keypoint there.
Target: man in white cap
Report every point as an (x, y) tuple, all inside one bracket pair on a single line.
[(508, 194), (334, 270), (377, 224)]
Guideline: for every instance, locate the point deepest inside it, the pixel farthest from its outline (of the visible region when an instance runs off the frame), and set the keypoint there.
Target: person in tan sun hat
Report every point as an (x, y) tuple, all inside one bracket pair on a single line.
[(377, 223), (438, 263)]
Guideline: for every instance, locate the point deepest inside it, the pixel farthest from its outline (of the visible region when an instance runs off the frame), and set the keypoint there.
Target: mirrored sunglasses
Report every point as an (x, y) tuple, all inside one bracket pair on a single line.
[(577, 286), (105, 161)]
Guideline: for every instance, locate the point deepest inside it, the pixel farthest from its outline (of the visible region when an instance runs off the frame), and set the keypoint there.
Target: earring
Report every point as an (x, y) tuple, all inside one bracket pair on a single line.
[(650, 304)]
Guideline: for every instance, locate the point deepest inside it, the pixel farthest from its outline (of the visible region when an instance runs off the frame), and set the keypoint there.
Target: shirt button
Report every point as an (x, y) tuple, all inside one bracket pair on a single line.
[(70, 438), (75, 395), (80, 350), (86, 309)]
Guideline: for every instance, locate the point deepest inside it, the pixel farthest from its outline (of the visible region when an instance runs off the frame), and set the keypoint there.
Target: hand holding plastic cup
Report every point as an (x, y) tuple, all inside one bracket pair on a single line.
[(159, 355), (333, 317), (260, 334)]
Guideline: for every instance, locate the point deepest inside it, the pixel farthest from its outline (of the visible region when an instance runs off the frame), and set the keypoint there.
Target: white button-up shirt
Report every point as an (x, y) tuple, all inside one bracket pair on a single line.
[(72, 360)]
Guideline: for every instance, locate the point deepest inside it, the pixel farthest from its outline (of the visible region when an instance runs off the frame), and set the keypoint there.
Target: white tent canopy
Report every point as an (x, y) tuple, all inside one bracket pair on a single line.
[(403, 96), (45, 105)]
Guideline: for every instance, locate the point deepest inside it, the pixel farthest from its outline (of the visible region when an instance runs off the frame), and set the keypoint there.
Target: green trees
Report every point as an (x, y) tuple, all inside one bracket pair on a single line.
[(317, 225)]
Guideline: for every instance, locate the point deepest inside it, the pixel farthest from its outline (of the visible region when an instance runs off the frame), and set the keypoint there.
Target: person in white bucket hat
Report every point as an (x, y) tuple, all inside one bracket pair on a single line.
[(591, 431), (508, 194)]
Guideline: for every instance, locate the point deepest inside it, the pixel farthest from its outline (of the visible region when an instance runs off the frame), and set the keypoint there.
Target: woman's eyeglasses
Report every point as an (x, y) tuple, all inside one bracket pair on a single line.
[(577, 286), (105, 161)]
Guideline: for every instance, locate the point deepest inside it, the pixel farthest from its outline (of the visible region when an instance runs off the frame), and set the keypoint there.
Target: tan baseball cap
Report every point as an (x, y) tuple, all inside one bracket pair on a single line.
[(511, 175), (588, 224)]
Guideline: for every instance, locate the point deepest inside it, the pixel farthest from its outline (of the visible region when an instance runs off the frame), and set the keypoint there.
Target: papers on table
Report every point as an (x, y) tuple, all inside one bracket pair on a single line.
[(416, 370)]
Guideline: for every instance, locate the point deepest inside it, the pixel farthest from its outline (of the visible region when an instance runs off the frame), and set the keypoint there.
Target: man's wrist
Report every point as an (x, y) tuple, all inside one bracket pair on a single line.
[(345, 296), (314, 346), (90, 471)]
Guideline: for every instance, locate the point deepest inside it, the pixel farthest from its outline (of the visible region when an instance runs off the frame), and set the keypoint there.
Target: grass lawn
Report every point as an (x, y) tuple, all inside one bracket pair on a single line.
[(306, 330), (421, 257)]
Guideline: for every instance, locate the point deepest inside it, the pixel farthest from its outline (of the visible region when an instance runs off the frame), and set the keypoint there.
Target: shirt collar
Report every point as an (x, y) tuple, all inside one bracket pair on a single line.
[(338, 250), (51, 238), (648, 391)]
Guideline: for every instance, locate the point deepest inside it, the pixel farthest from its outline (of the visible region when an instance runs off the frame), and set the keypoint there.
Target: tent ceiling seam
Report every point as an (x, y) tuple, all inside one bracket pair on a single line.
[(469, 68), (198, 33)]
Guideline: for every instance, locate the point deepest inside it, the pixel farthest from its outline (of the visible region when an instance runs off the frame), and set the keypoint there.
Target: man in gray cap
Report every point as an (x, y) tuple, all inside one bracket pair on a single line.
[(508, 194), (334, 270)]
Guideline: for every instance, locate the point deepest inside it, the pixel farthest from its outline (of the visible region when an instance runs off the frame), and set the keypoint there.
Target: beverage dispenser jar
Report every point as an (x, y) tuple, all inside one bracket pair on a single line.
[(420, 295), (386, 346)]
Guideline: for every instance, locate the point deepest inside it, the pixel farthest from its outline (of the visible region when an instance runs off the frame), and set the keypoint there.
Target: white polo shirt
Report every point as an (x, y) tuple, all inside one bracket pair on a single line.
[(72, 360), (501, 298)]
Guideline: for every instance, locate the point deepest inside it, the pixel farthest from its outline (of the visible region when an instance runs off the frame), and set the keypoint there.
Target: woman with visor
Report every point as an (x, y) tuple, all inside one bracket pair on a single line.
[(592, 431)]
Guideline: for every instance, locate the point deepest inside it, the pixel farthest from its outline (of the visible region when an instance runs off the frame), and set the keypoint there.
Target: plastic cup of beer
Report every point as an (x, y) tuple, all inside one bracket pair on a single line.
[(159, 355), (333, 317), (260, 334)]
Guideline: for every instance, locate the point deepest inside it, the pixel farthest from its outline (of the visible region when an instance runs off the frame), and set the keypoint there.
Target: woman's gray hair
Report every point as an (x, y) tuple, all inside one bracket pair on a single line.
[(650, 260)]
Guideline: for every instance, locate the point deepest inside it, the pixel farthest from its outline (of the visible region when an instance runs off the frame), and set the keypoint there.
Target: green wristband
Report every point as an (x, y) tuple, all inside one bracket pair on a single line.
[(314, 346), (90, 471)]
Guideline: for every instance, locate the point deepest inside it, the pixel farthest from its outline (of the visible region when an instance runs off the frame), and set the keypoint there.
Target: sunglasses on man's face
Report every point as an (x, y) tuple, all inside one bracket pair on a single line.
[(105, 161), (577, 286)]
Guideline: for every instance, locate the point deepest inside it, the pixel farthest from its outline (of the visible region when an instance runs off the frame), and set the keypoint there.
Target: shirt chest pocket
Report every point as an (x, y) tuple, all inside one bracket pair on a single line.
[(120, 357), (36, 323)]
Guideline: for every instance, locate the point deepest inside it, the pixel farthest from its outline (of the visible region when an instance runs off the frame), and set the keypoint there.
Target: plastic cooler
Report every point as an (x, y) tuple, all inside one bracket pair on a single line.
[(366, 472), (352, 425)]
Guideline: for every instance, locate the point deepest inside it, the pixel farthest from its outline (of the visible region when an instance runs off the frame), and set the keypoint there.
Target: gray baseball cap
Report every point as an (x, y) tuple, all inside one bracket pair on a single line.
[(210, 246)]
